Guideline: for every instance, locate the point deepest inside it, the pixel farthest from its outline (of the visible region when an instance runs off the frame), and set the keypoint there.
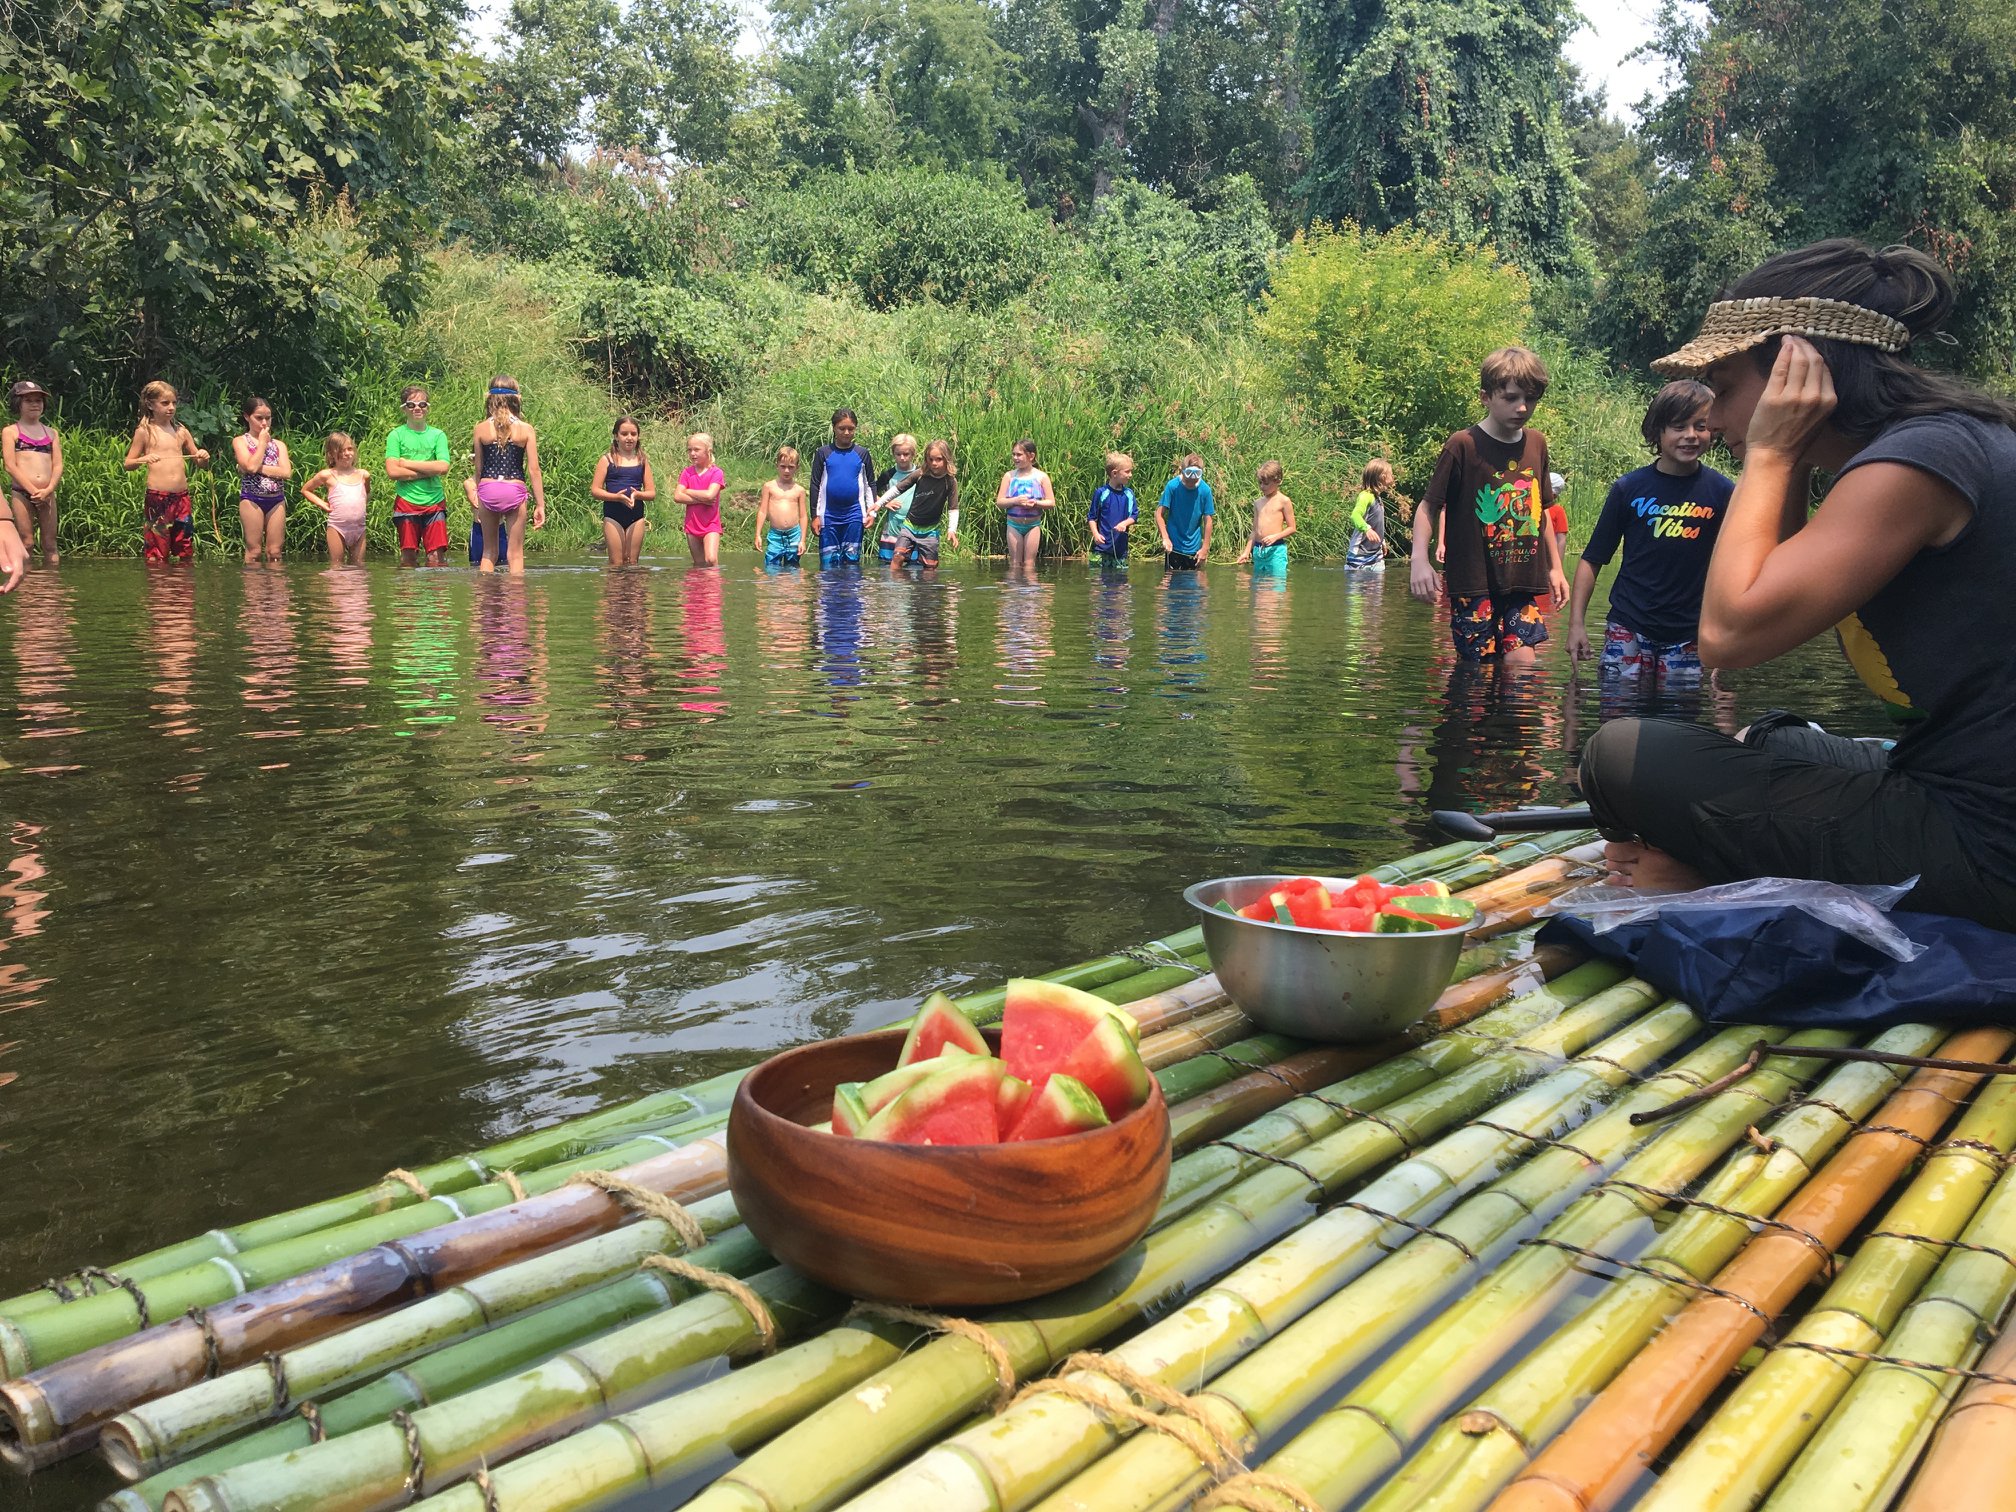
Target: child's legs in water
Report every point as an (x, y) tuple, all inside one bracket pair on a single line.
[(45, 523), (612, 541), (711, 548), (353, 551), (276, 532), (633, 542), (490, 523), (252, 520), (1022, 544), (696, 548), (514, 540), (338, 548)]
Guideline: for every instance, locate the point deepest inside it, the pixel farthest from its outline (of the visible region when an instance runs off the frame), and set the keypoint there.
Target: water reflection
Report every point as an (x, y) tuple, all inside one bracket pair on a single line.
[(426, 649), (271, 656), (343, 627), (1025, 644), (705, 644), (1180, 625), (23, 908), (837, 631), (44, 663), (1267, 665), (627, 668), (511, 655), (1500, 735), (170, 648)]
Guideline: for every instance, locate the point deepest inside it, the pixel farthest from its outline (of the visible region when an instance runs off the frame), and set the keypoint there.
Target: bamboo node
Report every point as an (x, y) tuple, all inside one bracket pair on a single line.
[(1280, 1160), (409, 1181), (641, 1199), (512, 1185), (727, 1286), (962, 1328), (416, 1461), (312, 1416), (213, 1352), (1252, 1491), (1181, 1418)]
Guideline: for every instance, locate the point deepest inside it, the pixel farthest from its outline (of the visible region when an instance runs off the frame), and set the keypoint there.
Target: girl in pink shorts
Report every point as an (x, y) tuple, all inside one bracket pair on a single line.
[(700, 486)]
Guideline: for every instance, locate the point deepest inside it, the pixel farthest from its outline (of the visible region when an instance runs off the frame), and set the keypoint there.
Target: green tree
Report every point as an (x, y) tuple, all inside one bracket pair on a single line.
[(879, 82), (1891, 120), (155, 156), (649, 77), (1447, 116), (1380, 333)]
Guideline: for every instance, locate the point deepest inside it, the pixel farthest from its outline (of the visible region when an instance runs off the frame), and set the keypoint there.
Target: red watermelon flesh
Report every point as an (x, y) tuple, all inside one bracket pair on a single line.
[(1064, 1106), (890, 1085), (1012, 1102), (1042, 1024), (953, 1106), (939, 1023), (1110, 1067)]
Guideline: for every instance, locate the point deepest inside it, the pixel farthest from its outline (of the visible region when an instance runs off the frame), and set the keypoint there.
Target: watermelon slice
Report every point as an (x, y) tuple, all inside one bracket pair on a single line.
[(1399, 921), (1012, 1103), (850, 1114), (1446, 913), (1042, 1023), (940, 1023), (955, 1105), (1261, 909), (890, 1085), (1111, 1070), (1065, 1106), (1429, 889)]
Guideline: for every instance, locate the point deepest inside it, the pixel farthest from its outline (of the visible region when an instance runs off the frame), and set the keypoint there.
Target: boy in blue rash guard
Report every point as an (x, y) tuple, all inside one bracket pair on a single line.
[(1667, 516), (1113, 512), (1185, 517), (842, 489)]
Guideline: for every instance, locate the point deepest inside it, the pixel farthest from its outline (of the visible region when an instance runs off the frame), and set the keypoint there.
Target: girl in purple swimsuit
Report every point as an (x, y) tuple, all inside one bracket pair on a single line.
[(263, 471)]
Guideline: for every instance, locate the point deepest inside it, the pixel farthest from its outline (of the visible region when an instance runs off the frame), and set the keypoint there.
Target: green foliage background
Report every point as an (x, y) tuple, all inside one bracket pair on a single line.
[(1273, 229)]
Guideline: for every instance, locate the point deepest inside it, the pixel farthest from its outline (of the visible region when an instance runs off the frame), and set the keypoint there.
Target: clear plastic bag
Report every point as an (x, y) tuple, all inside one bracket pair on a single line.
[(1854, 909)]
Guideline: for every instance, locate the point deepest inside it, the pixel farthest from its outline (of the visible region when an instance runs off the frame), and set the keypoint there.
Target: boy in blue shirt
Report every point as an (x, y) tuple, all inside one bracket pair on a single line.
[(1184, 517), (1113, 511), (1666, 516)]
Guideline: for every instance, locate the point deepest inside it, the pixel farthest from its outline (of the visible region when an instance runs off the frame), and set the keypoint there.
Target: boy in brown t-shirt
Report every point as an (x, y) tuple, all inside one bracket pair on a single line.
[(1490, 492)]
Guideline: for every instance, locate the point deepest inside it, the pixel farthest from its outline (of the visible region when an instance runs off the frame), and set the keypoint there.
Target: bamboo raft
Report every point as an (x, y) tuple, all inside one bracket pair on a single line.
[(1450, 1272)]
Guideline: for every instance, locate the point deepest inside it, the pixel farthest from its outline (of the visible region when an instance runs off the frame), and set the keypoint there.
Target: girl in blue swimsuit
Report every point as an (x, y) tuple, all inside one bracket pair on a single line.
[(1025, 493)]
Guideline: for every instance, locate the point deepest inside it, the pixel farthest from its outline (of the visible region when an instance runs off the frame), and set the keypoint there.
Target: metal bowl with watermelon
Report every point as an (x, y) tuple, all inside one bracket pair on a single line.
[(953, 1166), (1344, 960)]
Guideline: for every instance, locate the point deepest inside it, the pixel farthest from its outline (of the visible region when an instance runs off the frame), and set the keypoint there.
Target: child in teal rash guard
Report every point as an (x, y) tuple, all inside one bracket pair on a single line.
[(1184, 516)]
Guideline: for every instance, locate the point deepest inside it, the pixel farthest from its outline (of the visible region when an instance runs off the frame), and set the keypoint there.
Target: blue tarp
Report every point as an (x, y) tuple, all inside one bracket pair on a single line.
[(1780, 965)]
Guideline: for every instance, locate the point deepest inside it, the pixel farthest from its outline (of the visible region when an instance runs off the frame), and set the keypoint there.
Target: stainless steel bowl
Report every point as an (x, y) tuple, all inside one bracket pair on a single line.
[(1321, 984)]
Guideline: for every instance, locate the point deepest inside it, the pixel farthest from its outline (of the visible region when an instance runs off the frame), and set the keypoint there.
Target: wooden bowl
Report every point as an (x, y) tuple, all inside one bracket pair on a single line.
[(959, 1226)]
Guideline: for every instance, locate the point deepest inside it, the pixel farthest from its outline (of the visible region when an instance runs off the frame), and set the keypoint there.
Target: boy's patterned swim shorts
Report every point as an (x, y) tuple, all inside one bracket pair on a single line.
[(1484, 626)]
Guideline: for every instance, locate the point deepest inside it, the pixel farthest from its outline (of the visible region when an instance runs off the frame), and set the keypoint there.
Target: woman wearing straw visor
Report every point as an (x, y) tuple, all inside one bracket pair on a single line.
[(1910, 557)]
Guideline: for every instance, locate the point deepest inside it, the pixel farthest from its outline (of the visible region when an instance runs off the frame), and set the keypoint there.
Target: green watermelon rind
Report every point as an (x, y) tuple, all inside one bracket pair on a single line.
[(909, 1112), (1066, 1101), (1104, 1059), (940, 1013)]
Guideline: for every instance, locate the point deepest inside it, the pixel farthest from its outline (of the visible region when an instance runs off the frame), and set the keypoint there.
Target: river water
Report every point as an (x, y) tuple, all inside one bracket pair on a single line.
[(308, 874)]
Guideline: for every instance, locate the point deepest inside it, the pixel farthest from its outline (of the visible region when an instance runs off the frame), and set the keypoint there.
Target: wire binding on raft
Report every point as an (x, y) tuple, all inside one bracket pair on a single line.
[(1671, 1278), (727, 1286)]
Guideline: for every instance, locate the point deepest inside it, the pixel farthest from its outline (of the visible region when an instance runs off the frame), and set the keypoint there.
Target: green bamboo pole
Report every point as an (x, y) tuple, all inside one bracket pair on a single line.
[(668, 1448), (1354, 1148), (1011, 1461), (587, 1134), (144, 1439), (1474, 1454), (1212, 1170), (838, 1449), (678, 1439), (371, 1467), (1357, 1441), (173, 1426), (1863, 1453), (1739, 1454)]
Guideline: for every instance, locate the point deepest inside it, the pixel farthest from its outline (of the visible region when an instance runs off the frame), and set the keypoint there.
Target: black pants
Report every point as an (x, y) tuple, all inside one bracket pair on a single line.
[(1787, 801), (1181, 561)]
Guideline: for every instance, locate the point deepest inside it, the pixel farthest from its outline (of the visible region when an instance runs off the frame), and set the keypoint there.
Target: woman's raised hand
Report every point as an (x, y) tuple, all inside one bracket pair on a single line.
[(1798, 397)]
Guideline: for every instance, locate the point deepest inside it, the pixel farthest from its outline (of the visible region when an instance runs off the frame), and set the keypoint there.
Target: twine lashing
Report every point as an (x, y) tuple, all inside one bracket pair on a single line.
[(213, 1353), (1250, 1490), (126, 1284), (735, 1291), (409, 1181), (1685, 1283), (1814, 1241), (512, 1185), (312, 1416), (641, 1199), (416, 1462), (1280, 1160), (960, 1328), (1181, 1417)]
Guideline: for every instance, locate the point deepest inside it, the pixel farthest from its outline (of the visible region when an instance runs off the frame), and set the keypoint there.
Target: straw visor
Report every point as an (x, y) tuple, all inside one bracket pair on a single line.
[(1736, 325)]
